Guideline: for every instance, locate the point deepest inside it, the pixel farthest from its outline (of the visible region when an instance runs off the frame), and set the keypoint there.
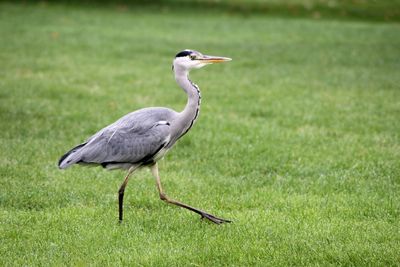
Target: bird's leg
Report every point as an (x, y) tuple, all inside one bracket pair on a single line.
[(122, 190), (154, 170)]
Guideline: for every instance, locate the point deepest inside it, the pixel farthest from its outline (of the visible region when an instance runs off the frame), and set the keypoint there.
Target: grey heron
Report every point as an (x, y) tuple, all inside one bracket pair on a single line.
[(141, 138)]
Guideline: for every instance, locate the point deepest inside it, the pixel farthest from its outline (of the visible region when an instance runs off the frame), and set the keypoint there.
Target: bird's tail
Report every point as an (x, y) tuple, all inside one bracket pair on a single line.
[(71, 157)]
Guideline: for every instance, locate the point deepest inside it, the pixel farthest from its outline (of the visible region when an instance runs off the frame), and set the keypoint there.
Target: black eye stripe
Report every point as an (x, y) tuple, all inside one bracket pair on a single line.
[(183, 53)]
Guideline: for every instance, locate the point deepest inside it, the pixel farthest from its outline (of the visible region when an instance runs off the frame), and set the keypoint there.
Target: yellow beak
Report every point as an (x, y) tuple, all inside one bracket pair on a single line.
[(213, 59)]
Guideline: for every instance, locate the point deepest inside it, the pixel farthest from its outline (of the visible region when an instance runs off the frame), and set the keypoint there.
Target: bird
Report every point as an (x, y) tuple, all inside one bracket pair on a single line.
[(143, 137)]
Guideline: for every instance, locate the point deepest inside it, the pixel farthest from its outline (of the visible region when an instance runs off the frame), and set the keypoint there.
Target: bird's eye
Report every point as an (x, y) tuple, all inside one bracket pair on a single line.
[(192, 57)]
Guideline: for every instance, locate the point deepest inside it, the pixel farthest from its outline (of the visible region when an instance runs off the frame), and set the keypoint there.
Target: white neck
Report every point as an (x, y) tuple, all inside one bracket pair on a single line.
[(191, 111)]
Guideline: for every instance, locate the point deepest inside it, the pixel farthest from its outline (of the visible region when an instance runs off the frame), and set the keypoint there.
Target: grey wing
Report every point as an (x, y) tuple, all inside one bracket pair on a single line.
[(135, 138), (126, 143)]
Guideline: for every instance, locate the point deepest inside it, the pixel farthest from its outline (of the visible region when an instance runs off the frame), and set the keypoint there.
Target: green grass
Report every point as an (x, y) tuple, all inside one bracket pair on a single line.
[(378, 10), (297, 141)]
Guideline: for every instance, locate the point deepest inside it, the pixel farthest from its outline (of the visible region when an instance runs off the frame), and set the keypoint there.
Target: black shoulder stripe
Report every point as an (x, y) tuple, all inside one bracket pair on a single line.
[(149, 158)]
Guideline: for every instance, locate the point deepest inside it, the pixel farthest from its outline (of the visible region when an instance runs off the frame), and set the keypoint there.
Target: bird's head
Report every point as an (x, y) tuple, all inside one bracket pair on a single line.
[(191, 59)]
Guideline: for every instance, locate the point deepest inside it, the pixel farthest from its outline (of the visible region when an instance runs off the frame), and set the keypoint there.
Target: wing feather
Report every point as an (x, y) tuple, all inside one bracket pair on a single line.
[(134, 138), (126, 144)]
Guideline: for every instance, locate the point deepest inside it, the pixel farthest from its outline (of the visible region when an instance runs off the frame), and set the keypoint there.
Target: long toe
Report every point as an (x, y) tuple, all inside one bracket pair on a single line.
[(214, 219)]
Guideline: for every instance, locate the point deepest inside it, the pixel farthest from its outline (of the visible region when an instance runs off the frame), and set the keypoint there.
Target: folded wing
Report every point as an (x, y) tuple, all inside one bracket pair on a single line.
[(121, 142)]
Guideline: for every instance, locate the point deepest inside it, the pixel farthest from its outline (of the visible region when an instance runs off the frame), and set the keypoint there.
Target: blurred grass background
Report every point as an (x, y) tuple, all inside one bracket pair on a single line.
[(372, 10), (297, 140)]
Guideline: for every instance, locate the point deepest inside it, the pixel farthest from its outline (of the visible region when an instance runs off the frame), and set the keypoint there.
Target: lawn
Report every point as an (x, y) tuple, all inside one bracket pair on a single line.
[(298, 139)]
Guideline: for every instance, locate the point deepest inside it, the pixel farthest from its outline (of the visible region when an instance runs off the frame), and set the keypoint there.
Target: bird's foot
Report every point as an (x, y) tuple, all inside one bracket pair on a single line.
[(214, 219)]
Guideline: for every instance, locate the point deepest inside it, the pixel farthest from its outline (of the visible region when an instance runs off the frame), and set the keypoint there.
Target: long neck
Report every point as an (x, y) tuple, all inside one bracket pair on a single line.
[(191, 111)]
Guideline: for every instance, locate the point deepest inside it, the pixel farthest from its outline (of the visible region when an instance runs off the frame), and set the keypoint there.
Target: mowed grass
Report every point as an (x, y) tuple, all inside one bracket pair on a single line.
[(297, 141)]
